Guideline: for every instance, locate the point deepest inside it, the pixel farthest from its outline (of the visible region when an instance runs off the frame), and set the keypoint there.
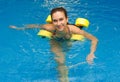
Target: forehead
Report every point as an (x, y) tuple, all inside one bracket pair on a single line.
[(58, 14)]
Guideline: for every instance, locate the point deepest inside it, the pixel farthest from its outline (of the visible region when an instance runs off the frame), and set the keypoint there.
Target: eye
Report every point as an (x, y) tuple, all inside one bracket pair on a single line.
[(54, 20)]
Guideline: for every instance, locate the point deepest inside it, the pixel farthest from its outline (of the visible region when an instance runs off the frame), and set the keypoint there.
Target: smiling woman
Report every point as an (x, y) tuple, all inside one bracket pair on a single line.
[(61, 35), (62, 30), (80, 22), (26, 57)]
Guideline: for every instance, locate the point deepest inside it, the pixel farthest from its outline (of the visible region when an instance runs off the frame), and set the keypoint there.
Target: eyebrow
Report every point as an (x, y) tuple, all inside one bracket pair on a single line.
[(58, 19)]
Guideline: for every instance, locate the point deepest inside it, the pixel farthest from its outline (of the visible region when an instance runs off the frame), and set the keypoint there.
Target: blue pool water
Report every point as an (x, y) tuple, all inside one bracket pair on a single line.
[(24, 57)]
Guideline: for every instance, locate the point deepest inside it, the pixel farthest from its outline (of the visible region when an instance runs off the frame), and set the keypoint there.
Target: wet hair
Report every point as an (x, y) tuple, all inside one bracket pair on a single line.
[(59, 9)]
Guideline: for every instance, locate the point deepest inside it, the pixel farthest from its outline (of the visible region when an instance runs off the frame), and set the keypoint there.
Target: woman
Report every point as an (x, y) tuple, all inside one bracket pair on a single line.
[(62, 32)]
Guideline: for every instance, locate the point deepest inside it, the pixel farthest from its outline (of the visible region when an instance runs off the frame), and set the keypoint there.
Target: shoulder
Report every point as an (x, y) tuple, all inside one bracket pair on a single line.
[(49, 27), (75, 29), (70, 25)]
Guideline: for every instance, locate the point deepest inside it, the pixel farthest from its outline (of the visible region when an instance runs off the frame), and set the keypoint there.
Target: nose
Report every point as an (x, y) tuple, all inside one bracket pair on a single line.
[(58, 23)]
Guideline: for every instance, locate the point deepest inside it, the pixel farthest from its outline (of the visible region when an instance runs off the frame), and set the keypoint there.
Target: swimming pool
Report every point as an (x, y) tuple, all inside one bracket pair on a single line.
[(24, 57)]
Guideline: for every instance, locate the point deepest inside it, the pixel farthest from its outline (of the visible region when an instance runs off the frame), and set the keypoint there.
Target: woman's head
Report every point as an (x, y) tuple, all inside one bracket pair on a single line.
[(59, 17)]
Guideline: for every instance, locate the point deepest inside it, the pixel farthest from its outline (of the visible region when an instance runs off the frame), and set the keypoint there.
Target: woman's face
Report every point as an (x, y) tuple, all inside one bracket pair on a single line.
[(59, 20)]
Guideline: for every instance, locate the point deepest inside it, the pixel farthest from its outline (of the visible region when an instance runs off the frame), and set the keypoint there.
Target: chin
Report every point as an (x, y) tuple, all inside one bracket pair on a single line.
[(61, 28)]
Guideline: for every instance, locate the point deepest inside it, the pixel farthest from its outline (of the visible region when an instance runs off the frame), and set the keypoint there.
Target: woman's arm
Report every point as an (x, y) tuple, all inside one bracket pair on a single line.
[(29, 26), (48, 27), (94, 42), (93, 39)]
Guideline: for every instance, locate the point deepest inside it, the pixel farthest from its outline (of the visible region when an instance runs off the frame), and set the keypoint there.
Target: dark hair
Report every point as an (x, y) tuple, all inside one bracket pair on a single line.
[(59, 9)]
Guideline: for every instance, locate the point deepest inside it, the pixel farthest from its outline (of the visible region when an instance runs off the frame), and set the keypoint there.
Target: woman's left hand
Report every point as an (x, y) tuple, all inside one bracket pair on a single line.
[(90, 58)]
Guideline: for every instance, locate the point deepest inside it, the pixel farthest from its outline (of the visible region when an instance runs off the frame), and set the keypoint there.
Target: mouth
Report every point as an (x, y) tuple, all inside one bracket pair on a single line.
[(60, 27)]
